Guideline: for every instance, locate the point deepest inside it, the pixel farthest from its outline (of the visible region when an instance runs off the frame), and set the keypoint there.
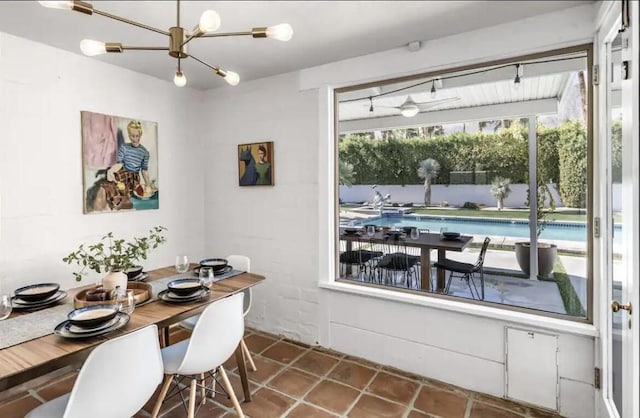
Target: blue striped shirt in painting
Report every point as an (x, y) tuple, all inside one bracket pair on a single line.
[(133, 158)]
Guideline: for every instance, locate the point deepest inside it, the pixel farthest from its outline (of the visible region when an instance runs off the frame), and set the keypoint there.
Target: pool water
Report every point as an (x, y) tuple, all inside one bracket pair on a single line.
[(565, 231)]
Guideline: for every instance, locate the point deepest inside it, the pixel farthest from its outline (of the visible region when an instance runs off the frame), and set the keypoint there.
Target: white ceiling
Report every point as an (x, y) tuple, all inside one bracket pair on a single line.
[(324, 31)]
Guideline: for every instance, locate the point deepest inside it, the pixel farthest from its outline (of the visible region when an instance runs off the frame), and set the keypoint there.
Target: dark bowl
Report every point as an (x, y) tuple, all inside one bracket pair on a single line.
[(184, 287), (451, 235), (394, 234), (217, 264), (36, 292), (92, 316), (133, 272)]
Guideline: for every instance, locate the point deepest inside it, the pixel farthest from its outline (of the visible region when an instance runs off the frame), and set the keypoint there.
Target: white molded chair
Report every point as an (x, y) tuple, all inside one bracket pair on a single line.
[(116, 380), (215, 337), (242, 263)]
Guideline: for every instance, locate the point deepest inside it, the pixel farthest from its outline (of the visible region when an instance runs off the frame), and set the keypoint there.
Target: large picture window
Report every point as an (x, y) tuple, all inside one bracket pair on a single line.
[(472, 183)]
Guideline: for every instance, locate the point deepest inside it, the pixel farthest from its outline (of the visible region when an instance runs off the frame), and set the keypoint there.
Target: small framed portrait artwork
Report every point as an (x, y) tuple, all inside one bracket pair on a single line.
[(255, 164)]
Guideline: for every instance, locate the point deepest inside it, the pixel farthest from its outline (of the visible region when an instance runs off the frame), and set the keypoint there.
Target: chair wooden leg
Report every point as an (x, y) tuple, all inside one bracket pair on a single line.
[(161, 395), (247, 354), (230, 391), (203, 389), (192, 399)]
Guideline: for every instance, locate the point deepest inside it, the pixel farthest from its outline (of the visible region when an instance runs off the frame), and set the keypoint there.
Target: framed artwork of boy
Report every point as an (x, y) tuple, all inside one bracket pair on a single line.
[(119, 163)]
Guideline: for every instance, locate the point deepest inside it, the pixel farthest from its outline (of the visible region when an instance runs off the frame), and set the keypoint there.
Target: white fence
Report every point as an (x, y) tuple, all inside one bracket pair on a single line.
[(454, 195)]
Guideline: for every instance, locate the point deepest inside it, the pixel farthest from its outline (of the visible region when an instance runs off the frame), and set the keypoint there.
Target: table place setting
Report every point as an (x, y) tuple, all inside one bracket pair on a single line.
[(46, 307), (92, 321), (45, 314), (37, 296)]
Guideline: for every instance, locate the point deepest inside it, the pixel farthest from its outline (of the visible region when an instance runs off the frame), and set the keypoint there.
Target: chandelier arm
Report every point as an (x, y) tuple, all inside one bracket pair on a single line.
[(190, 37), (131, 22), (145, 48), (216, 35), (216, 69)]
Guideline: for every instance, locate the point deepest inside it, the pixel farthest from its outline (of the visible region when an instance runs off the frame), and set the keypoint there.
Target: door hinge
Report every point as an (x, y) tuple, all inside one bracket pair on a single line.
[(596, 75), (596, 227), (597, 378)]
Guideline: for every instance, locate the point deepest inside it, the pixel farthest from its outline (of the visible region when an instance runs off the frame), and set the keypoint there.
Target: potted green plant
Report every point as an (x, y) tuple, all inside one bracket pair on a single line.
[(547, 253), (500, 190), (114, 256)]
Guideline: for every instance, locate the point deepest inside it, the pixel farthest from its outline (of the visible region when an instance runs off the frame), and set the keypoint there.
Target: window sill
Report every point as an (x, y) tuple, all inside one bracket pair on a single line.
[(547, 323)]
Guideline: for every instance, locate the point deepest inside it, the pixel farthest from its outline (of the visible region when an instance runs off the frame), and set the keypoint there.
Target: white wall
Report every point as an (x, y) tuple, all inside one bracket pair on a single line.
[(286, 229), (42, 91), (275, 226)]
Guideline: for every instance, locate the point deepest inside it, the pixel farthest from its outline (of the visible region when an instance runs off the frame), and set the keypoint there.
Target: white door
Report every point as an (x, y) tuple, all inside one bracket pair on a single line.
[(620, 225)]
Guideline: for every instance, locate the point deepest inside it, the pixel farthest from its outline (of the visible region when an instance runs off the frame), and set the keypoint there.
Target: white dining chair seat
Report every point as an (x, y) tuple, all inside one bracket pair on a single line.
[(243, 263), (54, 408), (116, 380), (172, 356), (215, 337)]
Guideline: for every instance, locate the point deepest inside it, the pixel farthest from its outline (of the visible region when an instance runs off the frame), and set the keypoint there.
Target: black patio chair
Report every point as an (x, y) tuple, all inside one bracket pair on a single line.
[(466, 271), (361, 256), (397, 260)]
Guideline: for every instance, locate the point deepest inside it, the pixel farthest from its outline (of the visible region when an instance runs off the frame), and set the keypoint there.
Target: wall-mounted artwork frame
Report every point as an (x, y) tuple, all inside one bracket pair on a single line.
[(119, 163), (256, 164)]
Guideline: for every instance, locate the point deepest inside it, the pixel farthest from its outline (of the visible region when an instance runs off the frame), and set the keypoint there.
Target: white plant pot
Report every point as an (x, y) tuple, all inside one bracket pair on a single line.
[(114, 279)]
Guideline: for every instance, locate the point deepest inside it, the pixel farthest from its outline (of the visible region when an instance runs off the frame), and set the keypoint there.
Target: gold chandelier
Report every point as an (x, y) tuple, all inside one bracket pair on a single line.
[(179, 37)]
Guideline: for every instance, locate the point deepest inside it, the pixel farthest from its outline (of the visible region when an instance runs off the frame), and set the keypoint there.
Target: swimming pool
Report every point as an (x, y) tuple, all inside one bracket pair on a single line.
[(566, 231)]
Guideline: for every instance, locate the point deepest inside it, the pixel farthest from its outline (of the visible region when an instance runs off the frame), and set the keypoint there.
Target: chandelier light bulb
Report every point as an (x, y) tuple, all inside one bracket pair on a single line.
[(65, 5), (179, 79), (90, 47), (232, 78), (209, 21), (282, 32)]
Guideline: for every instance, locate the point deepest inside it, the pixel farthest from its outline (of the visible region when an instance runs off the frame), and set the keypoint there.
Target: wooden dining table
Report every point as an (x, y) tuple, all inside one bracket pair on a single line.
[(425, 242), (28, 360)]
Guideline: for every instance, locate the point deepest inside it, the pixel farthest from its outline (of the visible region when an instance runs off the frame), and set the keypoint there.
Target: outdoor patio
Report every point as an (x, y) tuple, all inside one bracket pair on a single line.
[(505, 283)]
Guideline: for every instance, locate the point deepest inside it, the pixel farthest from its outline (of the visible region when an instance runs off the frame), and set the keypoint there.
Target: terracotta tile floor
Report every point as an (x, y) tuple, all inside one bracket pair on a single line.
[(297, 381)]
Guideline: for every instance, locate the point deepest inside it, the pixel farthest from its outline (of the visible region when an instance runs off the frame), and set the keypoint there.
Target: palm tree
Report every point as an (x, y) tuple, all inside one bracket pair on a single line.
[(428, 171), (346, 174)]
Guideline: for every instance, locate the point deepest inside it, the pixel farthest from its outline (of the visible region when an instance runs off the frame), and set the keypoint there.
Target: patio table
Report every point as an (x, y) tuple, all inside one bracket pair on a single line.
[(30, 359), (426, 242)]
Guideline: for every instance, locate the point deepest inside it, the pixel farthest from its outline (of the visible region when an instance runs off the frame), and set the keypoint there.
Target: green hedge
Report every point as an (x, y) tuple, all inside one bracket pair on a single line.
[(561, 158), (572, 151)]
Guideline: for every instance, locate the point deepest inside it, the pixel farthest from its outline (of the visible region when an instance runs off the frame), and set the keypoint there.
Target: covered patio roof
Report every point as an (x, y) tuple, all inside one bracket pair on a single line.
[(481, 94)]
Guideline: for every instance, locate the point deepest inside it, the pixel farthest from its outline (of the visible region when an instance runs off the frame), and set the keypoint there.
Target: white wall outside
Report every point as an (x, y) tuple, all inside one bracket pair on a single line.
[(454, 195), (43, 90)]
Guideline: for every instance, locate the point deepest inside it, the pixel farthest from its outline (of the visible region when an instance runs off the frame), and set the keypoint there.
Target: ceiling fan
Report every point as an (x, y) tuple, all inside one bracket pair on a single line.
[(409, 108)]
